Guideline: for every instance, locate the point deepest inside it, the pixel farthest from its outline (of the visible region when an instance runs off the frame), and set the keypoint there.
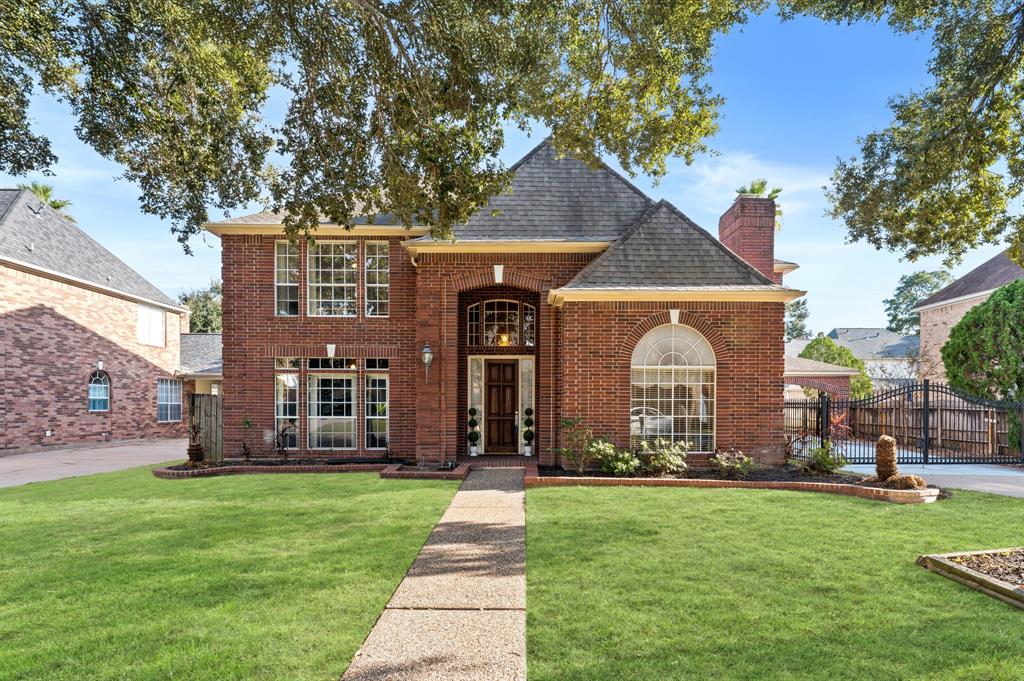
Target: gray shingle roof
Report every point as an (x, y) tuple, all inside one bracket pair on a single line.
[(202, 353), (557, 199), (865, 343), (802, 365), (991, 274), (33, 233), (665, 249)]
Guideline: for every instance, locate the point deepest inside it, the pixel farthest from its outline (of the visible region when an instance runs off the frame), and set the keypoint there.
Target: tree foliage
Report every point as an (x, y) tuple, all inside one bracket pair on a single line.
[(985, 352), (944, 175), (759, 187), (824, 349), (911, 290), (205, 306), (391, 107), (796, 319), (44, 193)]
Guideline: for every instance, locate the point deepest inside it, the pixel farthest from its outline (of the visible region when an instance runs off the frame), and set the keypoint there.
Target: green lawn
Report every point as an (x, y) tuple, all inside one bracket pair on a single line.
[(630, 583), (124, 576)]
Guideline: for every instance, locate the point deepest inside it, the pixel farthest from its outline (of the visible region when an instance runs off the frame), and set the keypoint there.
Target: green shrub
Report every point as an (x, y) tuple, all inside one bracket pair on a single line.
[(823, 460), (578, 437), (662, 457), (732, 464), (621, 463)]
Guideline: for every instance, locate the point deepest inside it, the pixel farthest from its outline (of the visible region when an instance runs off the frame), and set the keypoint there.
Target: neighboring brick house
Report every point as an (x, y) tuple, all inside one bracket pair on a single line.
[(574, 294), (890, 359), (202, 364), (941, 311), (821, 376), (89, 348)]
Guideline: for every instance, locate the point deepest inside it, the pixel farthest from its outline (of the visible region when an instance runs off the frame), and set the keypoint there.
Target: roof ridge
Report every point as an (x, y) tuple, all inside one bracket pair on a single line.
[(10, 207), (604, 166)]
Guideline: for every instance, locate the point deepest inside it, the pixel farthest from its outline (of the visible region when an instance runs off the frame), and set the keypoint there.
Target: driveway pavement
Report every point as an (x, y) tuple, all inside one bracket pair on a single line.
[(978, 477), (69, 462)]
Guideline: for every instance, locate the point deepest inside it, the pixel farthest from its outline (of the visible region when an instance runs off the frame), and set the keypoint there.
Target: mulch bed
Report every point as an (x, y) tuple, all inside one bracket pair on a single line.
[(781, 474), (273, 463), (1008, 566)]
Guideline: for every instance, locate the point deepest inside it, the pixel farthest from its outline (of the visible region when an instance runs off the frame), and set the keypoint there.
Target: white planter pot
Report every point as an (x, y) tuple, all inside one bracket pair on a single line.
[(527, 450), (472, 450)]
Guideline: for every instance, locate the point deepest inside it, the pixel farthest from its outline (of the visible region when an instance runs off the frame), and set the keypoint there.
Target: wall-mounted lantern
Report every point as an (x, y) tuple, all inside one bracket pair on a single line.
[(428, 358)]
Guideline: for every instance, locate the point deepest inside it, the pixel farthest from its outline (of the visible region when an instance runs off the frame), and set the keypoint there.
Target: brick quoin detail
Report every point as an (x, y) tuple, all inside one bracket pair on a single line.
[(51, 336)]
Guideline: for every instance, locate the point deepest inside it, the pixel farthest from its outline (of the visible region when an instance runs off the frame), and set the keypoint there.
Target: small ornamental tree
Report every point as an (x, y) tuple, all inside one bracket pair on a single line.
[(824, 349), (984, 355)]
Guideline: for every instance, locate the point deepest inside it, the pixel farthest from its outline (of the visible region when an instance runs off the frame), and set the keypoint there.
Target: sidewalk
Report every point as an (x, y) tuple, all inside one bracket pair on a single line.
[(69, 462), (460, 612)]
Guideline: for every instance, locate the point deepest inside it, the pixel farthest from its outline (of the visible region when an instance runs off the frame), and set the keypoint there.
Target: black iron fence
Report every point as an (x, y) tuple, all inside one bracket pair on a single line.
[(932, 424)]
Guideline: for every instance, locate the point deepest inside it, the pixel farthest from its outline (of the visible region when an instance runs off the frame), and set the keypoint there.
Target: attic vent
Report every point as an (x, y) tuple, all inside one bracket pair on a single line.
[(32, 247)]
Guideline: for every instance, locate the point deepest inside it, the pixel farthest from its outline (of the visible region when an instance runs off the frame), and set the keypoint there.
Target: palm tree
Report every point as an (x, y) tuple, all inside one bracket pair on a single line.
[(759, 187), (44, 193)]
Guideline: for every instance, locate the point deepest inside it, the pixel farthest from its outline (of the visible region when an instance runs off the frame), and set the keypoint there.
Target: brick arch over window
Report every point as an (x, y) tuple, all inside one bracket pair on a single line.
[(512, 278), (714, 338)]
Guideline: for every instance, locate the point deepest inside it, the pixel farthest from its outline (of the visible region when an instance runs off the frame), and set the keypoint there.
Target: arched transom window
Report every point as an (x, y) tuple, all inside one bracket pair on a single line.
[(672, 388), (99, 391), (501, 323)]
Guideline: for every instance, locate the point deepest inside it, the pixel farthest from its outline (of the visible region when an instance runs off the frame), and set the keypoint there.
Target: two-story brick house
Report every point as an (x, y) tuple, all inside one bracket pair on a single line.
[(89, 349), (574, 294)]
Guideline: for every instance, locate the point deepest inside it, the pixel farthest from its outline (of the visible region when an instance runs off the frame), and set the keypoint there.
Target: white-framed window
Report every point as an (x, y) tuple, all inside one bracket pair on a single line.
[(287, 363), (333, 272), (501, 323), (331, 363), (377, 411), (99, 391), (331, 415), (377, 278), (286, 409), (672, 388), (286, 279), (168, 400), (151, 325)]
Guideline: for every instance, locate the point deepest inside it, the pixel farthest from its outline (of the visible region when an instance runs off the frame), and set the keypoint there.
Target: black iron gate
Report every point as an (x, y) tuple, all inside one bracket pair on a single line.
[(931, 423)]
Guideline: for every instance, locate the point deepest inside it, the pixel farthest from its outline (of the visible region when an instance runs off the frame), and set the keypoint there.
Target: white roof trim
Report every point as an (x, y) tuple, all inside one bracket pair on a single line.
[(958, 299), (92, 286)]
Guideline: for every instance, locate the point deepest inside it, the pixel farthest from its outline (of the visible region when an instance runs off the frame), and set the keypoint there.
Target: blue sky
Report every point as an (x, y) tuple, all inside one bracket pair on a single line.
[(797, 96)]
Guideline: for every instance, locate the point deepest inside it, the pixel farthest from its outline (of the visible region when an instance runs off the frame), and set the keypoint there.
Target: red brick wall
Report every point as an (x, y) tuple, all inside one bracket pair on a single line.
[(253, 336), (51, 336), (598, 341), (838, 387), (748, 230)]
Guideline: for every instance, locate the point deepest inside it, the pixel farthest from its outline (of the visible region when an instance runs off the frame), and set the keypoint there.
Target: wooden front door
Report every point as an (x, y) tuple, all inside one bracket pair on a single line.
[(502, 400)]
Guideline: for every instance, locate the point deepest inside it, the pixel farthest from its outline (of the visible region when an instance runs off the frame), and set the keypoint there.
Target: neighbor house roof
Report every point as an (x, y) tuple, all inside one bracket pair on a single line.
[(984, 278), (202, 355), (865, 343), (35, 237), (800, 366)]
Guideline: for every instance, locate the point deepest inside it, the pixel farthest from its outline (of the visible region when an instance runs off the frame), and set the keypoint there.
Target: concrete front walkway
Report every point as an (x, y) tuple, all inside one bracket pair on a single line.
[(460, 612), (1004, 480), (69, 462)]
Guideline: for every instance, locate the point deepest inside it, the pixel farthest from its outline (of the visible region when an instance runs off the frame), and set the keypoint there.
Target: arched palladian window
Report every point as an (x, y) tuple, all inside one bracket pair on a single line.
[(672, 388), (501, 323), (99, 391)]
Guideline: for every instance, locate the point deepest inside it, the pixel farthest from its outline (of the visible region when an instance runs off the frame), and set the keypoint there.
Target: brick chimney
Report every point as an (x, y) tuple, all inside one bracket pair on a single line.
[(748, 230)]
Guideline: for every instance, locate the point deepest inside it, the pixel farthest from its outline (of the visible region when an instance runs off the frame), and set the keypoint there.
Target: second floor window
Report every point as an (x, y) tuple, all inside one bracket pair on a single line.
[(286, 279), (377, 283), (333, 279)]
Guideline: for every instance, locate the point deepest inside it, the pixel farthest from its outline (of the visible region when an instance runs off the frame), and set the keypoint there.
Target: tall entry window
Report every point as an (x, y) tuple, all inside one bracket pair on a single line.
[(501, 323), (333, 272), (672, 388), (332, 411)]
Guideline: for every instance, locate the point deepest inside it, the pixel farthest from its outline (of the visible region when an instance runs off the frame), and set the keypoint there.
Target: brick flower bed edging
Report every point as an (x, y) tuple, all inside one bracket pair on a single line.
[(896, 496), (941, 564), (395, 471), (170, 474)]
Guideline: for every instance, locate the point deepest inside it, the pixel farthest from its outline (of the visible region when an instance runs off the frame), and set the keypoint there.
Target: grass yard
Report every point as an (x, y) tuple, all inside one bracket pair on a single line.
[(124, 576), (632, 583)]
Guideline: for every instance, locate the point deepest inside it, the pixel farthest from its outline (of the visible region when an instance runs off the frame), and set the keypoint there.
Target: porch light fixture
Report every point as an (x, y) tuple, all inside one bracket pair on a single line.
[(428, 358), (331, 347), (503, 339)]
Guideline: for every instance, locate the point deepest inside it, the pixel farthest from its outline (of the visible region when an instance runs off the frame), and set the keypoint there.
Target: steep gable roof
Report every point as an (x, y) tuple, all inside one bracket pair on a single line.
[(665, 249), (35, 235), (993, 273), (554, 198)]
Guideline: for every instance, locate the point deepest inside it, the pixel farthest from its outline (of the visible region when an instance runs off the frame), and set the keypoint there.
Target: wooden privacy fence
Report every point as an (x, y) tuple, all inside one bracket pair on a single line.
[(931, 424), (207, 412)]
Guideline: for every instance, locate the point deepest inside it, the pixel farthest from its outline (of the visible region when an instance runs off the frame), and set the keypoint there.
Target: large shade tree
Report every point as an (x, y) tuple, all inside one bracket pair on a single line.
[(910, 291), (205, 308), (389, 106)]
